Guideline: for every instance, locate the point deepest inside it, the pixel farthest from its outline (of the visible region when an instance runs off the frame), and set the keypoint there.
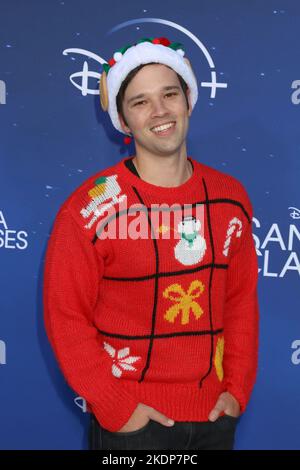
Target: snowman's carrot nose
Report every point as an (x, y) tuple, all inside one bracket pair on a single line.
[(165, 228)]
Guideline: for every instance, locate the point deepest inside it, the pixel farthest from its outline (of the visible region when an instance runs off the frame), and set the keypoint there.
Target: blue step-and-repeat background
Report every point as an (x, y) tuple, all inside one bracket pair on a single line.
[(53, 135)]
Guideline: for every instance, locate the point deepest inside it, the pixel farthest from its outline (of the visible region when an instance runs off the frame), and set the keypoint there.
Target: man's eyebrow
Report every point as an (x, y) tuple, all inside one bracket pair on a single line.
[(141, 95)]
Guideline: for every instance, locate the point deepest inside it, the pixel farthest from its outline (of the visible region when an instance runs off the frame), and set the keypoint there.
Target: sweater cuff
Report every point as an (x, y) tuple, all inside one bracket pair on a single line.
[(115, 406), (238, 395)]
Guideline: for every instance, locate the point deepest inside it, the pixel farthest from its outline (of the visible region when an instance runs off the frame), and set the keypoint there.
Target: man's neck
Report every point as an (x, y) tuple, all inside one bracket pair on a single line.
[(166, 171)]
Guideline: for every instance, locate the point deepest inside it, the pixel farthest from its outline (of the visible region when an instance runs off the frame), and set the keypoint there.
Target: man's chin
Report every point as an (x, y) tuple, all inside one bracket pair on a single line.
[(155, 145), (165, 151)]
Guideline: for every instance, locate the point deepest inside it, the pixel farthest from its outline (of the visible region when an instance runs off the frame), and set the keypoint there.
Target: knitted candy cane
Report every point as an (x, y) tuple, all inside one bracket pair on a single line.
[(231, 228)]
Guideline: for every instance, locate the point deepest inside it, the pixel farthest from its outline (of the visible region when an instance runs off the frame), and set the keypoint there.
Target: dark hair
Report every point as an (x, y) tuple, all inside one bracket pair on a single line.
[(120, 95)]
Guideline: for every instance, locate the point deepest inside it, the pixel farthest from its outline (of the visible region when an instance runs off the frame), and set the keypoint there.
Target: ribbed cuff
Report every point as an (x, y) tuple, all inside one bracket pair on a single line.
[(238, 395), (115, 406)]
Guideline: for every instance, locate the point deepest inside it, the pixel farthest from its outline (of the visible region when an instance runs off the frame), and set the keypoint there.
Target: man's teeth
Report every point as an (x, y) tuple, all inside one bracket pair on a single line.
[(164, 127)]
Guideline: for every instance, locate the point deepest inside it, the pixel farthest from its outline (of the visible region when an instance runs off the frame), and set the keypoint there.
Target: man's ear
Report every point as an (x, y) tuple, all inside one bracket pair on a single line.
[(123, 125)]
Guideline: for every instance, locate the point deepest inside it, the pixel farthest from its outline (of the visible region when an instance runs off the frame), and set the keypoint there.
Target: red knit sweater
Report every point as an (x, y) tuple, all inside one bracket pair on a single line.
[(150, 294)]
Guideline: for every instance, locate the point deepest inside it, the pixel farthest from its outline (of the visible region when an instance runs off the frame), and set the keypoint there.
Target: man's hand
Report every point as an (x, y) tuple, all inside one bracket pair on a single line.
[(227, 403), (141, 416)]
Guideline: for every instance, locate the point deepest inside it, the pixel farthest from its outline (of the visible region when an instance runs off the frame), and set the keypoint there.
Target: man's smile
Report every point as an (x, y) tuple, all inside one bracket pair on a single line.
[(165, 129)]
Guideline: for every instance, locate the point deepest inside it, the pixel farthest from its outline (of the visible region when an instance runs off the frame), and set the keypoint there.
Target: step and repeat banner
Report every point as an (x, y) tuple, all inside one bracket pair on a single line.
[(54, 135)]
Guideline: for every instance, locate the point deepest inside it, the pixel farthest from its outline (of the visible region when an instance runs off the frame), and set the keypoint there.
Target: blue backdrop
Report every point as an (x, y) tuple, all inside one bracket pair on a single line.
[(54, 136)]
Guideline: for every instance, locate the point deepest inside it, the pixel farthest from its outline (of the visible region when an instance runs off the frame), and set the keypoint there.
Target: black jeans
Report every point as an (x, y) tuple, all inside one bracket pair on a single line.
[(184, 435)]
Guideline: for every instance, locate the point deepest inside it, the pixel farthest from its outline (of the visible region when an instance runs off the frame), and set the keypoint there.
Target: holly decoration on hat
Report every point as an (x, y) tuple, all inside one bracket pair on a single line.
[(176, 46)]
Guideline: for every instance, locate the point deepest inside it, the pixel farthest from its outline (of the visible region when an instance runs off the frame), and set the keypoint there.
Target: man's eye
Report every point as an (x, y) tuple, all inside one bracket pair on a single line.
[(168, 94)]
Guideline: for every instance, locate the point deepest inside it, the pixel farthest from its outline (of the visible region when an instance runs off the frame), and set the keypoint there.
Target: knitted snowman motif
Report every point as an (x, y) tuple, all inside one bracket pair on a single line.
[(192, 246)]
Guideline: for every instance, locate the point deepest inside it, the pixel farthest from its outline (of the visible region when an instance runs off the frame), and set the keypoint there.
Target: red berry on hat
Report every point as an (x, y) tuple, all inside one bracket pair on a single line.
[(111, 62), (127, 140), (164, 41)]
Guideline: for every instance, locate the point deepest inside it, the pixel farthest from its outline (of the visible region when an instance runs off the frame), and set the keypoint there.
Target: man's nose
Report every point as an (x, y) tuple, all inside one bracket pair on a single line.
[(158, 107)]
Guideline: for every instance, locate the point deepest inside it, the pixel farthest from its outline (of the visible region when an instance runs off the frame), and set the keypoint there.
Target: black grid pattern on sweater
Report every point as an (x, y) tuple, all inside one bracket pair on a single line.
[(152, 336)]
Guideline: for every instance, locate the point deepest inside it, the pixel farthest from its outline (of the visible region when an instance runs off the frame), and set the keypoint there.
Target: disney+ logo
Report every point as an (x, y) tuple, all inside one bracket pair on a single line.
[(2, 352), (85, 73), (2, 92)]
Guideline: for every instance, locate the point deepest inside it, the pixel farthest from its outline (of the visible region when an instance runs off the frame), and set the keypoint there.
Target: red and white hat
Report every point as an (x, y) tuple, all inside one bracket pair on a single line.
[(158, 50)]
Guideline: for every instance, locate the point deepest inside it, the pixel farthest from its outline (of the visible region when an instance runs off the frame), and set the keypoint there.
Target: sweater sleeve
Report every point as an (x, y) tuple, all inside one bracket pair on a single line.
[(72, 279), (241, 319)]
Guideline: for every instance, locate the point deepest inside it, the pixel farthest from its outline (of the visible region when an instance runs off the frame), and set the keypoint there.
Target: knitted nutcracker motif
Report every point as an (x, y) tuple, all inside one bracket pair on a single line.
[(106, 189)]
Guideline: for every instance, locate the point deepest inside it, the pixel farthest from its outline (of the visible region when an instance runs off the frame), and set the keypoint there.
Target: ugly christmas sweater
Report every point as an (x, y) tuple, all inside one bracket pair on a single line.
[(150, 294)]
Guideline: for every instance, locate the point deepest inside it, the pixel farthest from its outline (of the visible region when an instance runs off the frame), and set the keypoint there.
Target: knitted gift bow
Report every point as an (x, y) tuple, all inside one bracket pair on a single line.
[(184, 301)]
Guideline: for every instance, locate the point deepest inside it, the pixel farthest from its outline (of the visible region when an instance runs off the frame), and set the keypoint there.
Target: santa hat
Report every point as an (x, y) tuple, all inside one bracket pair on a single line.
[(146, 50)]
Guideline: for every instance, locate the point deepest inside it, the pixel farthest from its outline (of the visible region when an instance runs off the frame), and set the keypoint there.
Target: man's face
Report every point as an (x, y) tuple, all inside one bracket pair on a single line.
[(163, 102)]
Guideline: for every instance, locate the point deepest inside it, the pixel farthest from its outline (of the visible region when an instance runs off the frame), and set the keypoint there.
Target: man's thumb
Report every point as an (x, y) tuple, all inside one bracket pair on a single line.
[(214, 414)]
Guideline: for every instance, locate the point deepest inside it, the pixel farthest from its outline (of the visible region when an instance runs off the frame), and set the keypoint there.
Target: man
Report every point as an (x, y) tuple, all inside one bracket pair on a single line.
[(161, 323)]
